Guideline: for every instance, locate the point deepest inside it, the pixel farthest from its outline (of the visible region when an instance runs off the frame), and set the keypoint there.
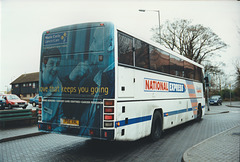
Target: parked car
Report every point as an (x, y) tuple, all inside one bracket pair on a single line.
[(2, 103), (34, 100), (14, 101), (215, 100)]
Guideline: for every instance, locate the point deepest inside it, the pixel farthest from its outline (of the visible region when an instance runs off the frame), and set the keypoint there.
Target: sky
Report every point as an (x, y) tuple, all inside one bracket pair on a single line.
[(23, 22)]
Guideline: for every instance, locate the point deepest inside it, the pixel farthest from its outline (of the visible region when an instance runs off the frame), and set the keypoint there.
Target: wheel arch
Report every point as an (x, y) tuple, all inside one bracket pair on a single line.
[(199, 118), (160, 110), (156, 129), (200, 106)]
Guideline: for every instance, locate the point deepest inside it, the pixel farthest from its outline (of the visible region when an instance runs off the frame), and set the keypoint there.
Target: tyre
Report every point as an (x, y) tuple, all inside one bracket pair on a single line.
[(156, 130), (199, 113), (34, 104)]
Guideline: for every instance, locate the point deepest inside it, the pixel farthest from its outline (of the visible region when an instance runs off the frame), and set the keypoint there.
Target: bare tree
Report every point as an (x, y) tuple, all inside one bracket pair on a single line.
[(195, 42), (217, 75), (237, 83)]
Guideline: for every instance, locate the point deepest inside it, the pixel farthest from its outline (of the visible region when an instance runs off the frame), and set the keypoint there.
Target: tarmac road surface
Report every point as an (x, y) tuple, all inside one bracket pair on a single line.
[(171, 147)]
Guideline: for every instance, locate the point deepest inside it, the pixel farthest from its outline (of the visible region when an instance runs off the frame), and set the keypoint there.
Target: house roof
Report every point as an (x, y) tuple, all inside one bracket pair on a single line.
[(26, 78)]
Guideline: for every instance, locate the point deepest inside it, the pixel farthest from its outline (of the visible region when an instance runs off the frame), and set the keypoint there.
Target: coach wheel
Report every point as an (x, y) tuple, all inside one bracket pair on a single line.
[(199, 113), (156, 129), (34, 104)]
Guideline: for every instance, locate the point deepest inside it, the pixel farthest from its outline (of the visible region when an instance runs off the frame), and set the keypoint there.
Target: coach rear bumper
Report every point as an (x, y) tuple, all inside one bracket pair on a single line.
[(104, 134)]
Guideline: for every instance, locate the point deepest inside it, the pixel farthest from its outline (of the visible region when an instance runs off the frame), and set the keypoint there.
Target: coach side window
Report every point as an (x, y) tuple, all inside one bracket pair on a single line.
[(176, 66), (159, 60), (125, 49), (198, 74), (188, 70), (141, 54)]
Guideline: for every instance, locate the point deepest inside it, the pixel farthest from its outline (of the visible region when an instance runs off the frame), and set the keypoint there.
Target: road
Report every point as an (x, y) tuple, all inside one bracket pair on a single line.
[(170, 147)]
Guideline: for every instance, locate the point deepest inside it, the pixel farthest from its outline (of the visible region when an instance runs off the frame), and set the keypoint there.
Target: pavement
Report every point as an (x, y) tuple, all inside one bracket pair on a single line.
[(19, 133), (224, 146), (221, 147)]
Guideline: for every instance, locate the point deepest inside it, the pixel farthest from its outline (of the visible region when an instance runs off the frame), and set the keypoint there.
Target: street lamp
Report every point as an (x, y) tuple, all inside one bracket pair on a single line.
[(230, 94), (141, 10)]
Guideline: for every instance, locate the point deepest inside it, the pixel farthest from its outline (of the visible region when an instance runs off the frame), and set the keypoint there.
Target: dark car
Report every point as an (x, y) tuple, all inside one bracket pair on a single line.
[(14, 101), (215, 100), (34, 100), (2, 103)]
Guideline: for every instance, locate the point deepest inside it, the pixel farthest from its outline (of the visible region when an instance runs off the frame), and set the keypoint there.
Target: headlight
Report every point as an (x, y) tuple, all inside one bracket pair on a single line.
[(15, 103)]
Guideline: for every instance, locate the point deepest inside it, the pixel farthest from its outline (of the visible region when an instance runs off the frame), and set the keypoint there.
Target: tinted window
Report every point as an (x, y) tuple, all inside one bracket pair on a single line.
[(81, 40), (188, 70), (141, 54), (125, 46), (198, 74), (93, 39), (176, 66), (159, 60)]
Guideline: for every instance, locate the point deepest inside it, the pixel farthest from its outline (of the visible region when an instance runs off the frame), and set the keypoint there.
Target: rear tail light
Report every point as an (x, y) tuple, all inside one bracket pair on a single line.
[(108, 117), (40, 102), (109, 103), (108, 110), (91, 132), (108, 124), (39, 109), (49, 127), (108, 113), (39, 118)]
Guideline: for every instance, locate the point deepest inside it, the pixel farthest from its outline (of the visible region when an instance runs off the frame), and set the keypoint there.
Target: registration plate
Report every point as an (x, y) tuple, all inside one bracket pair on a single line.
[(70, 122)]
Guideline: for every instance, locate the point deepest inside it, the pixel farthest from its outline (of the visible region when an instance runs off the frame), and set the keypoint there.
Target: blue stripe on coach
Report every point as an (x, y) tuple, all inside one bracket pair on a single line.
[(147, 118), (133, 121)]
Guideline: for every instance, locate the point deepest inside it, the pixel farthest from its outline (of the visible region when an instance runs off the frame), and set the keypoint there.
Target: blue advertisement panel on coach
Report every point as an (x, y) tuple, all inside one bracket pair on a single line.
[(76, 73)]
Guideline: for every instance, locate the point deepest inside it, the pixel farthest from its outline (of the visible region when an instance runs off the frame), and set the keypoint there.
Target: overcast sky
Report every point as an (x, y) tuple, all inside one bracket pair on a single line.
[(22, 24)]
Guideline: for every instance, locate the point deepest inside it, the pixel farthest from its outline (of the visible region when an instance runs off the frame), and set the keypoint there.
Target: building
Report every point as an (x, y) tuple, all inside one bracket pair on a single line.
[(26, 86)]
